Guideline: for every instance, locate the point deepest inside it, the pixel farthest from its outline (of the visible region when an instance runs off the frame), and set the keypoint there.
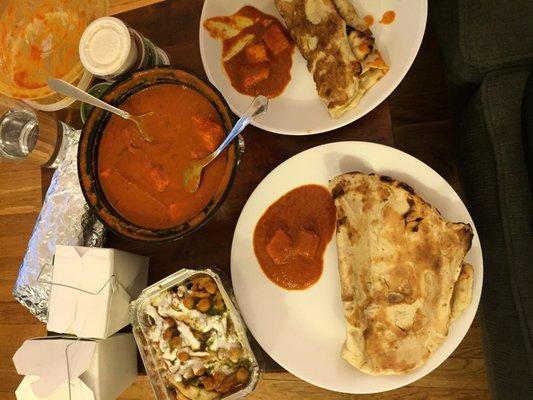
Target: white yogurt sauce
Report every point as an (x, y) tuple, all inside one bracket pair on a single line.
[(171, 305)]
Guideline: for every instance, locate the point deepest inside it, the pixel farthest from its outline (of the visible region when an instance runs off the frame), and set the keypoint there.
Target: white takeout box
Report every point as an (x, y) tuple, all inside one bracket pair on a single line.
[(91, 290), (98, 369)]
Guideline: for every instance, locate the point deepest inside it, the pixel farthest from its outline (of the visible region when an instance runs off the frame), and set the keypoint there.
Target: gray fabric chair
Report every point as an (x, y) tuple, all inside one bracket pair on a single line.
[(487, 49), (499, 197), (479, 36)]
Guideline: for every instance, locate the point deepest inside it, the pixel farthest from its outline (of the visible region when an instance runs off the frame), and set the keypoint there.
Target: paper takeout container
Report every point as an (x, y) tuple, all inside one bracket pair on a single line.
[(96, 369), (140, 325), (91, 289)]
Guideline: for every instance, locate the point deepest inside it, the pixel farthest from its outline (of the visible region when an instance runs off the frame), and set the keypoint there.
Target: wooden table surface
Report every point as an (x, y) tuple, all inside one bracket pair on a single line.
[(173, 25)]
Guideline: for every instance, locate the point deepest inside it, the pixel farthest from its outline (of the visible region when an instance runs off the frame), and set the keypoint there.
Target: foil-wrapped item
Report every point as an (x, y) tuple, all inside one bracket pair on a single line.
[(64, 219), (94, 233)]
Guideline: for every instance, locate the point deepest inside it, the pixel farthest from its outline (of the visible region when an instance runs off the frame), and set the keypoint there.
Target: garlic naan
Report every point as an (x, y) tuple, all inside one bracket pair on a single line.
[(399, 261), (338, 47)]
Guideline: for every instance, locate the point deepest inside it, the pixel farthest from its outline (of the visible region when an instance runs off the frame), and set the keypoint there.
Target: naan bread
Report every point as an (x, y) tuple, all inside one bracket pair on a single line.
[(462, 291), (399, 261), (361, 40), (344, 65), (320, 34)]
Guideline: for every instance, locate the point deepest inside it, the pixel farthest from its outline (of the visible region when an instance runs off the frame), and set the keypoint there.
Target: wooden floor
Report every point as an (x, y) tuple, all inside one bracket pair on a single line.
[(422, 126)]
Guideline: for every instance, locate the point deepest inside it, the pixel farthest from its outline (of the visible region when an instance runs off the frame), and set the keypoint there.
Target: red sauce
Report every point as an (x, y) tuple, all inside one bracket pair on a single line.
[(388, 17), (368, 20), (263, 65), (291, 236), (35, 52), (23, 79), (144, 181)]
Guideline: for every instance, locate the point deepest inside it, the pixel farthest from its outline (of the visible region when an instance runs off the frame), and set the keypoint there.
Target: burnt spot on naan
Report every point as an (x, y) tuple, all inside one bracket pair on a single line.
[(427, 254), (383, 193), (345, 296), (395, 298), (413, 225), (344, 223), (406, 187), (410, 210), (465, 234), (341, 221), (363, 188), (368, 203), (338, 190), (402, 267), (353, 235), (367, 333), (356, 317)]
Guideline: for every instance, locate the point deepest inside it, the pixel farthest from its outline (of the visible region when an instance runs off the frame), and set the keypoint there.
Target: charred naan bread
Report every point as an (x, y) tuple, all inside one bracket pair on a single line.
[(399, 261), (320, 34), (362, 44), (344, 65)]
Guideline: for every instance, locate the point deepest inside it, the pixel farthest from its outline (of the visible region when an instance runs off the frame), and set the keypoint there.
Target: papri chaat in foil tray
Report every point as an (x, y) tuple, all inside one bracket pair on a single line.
[(193, 338)]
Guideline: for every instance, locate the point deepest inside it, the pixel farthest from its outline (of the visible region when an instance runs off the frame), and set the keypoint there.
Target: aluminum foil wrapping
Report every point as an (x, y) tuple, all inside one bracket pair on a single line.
[(64, 219)]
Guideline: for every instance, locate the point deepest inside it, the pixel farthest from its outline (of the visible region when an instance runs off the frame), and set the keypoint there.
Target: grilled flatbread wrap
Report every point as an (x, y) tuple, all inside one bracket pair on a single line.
[(344, 65), (399, 261), (363, 45)]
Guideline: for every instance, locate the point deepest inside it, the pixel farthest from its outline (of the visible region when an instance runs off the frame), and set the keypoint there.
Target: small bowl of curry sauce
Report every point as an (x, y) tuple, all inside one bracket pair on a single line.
[(136, 187)]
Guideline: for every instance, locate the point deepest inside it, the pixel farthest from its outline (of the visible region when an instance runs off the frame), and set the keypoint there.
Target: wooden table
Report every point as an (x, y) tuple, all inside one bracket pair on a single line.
[(173, 25)]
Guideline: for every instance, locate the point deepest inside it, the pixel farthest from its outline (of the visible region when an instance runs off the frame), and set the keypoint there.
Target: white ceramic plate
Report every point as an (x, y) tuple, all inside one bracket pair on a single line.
[(304, 330), (299, 111)]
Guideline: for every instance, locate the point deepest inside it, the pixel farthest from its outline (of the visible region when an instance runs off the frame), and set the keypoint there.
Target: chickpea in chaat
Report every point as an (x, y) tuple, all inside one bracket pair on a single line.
[(193, 335)]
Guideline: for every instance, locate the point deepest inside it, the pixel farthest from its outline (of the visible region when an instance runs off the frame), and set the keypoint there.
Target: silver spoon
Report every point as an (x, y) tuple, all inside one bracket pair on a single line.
[(69, 90), (193, 171)]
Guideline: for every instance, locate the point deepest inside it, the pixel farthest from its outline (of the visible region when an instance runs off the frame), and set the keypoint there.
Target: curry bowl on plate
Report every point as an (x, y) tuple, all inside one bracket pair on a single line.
[(135, 186)]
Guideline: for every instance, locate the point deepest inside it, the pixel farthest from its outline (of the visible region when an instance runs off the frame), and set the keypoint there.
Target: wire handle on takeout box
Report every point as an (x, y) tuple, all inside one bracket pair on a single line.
[(69, 383), (111, 278)]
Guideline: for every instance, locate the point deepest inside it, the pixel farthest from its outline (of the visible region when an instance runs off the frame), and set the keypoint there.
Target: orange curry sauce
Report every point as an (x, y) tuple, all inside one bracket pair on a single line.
[(387, 17), (144, 181), (368, 20), (263, 65), (291, 236)]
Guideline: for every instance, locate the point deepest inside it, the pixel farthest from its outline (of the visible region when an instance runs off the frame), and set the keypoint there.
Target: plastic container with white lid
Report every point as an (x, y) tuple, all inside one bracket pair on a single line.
[(109, 48), (106, 47)]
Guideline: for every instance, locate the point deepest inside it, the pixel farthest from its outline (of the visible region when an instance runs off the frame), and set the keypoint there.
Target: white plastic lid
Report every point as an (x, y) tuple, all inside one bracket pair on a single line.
[(106, 47)]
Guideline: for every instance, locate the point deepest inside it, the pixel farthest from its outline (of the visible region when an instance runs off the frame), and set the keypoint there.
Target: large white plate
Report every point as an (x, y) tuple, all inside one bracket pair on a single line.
[(299, 111), (304, 330)]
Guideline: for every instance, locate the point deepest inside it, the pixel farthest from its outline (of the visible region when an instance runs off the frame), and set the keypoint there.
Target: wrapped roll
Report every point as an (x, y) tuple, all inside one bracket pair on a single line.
[(338, 47)]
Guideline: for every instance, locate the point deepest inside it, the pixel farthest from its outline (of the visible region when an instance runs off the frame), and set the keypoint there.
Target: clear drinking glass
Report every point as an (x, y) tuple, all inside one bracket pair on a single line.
[(27, 134)]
